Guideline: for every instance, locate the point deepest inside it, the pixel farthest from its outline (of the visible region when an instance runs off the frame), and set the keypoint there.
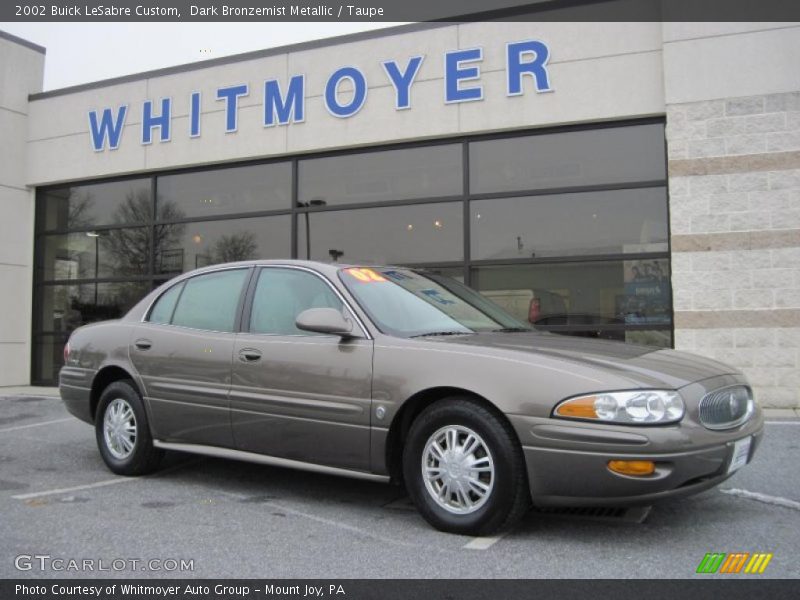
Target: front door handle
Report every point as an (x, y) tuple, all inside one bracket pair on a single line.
[(143, 344), (249, 355)]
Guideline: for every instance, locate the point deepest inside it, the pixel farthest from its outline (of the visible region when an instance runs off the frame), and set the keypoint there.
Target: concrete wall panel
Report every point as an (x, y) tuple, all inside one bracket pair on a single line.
[(746, 64), (622, 87)]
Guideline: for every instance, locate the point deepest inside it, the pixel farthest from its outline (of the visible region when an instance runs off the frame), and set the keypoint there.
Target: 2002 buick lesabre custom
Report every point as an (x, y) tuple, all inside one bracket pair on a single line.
[(387, 372)]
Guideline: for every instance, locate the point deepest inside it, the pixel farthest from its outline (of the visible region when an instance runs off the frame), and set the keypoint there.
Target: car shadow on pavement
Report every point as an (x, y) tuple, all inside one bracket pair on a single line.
[(253, 484)]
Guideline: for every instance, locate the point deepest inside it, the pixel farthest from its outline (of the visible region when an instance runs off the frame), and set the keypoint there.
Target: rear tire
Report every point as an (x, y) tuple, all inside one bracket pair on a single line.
[(123, 433), (464, 470)]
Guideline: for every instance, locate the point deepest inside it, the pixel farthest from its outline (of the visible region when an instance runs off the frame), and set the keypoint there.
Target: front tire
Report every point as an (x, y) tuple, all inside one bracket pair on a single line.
[(464, 468), (122, 431)]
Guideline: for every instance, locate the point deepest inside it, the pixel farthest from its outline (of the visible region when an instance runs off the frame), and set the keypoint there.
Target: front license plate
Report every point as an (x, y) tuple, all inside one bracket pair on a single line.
[(741, 450)]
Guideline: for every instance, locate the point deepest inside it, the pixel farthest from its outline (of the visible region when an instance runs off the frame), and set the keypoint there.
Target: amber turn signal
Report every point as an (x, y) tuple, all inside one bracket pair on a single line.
[(578, 408), (632, 467)]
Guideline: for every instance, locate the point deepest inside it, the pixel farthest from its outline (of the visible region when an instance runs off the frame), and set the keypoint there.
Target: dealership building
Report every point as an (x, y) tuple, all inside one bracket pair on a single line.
[(626, 181)]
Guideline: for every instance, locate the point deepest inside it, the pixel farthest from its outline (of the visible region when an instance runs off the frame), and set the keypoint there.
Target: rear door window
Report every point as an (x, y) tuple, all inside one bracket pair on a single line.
[(210, 301)]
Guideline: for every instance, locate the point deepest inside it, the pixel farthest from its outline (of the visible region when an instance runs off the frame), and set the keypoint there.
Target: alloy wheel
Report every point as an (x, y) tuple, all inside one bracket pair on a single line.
[(458, 469), (119, 428)]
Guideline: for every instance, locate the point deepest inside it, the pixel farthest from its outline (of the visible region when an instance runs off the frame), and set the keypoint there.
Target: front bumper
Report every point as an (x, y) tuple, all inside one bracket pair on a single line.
[(567, 461), (582, 478)]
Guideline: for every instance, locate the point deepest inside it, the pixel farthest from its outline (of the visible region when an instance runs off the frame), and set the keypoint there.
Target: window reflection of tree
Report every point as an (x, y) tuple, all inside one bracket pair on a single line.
[(92, 302), (79, 206), (128, 249), (229, 248), (236, 246), (127, 253)]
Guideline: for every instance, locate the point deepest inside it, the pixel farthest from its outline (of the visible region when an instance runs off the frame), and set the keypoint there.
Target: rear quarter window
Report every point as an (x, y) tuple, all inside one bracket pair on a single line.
[(164, 307)]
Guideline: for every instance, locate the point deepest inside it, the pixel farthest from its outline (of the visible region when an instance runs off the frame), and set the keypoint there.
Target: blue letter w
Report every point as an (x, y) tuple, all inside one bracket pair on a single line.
[(108, 128)]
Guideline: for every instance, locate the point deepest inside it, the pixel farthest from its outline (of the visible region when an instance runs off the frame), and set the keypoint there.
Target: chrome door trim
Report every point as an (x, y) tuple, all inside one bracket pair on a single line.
[(264, 459)]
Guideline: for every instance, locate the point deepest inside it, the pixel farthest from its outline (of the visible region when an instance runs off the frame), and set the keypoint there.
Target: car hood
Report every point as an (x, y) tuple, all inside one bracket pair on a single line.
[(644, 365)]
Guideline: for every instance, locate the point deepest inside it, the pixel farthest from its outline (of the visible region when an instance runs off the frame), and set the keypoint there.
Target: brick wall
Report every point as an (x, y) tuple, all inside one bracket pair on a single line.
[(734, 174)]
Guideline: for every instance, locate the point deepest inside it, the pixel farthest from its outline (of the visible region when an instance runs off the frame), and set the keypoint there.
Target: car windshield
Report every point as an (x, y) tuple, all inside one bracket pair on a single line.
[(409, 303)]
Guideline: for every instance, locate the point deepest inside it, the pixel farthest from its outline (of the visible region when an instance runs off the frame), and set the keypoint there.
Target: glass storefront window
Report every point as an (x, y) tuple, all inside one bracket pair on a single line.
[(66, 307), (48, 357), (425, 172), (96, 254), (575, 158), (87, 206), (552, 258), (225, 191), (456, 273), (619, 221), (661, 338), (658, 338), (181, 247), (581, 295), (391, 235)]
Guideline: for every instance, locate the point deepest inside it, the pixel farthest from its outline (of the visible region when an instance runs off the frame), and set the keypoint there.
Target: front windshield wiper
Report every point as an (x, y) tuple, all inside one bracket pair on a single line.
[(432, 333), (511, 330)]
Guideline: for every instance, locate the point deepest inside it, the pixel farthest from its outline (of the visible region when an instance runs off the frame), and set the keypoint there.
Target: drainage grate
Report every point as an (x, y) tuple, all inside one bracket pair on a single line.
[(627, 514)]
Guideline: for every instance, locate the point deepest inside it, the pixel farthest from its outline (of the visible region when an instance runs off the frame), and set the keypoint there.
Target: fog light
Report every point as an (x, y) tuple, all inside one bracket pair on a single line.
[(632, 467)]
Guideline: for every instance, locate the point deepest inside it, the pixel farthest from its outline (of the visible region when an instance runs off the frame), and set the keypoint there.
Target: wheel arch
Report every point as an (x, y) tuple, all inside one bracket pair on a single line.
[(412, 407), (105, 377)]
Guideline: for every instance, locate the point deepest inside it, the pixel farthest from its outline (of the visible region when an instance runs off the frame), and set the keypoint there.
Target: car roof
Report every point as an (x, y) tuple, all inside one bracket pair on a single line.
[(327, 267)]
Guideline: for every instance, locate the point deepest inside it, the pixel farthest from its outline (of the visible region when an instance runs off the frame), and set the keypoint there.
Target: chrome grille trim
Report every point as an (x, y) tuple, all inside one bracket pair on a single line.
[(727, 407)]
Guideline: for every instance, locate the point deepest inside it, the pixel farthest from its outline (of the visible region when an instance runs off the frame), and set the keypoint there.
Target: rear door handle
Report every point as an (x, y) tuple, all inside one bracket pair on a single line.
[(249, 355), (143, 344)]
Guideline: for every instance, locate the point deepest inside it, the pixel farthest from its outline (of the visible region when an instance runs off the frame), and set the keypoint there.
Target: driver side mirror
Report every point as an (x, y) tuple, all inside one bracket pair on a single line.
[(324, 320)]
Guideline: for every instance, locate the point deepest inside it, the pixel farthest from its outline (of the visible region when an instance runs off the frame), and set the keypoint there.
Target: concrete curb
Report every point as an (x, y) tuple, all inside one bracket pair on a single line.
[(781, 413), (27, 390)]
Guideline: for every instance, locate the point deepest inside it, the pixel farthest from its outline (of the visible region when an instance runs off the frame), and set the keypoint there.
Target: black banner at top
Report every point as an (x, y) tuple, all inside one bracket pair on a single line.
[(397, 11)]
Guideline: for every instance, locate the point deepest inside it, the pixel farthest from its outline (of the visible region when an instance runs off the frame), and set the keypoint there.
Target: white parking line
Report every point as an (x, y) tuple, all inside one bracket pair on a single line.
[(76, 488), (104, 483), (18, 427), (350, 528), (782, 422), (323, 520), (774, 500), (483, 543)]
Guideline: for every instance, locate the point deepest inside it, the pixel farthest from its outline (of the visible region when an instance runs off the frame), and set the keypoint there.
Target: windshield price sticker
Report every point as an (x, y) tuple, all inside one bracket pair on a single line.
[(366, 275)]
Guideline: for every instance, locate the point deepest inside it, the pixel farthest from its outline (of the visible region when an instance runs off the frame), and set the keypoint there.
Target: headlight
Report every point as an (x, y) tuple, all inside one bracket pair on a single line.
[(646, 407)]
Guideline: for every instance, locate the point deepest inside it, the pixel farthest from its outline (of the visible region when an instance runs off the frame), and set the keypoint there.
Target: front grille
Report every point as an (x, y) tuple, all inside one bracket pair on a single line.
[(727, 407)]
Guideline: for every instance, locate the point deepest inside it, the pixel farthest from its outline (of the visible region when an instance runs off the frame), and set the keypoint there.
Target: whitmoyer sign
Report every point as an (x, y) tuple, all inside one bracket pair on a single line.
[(284, 102)]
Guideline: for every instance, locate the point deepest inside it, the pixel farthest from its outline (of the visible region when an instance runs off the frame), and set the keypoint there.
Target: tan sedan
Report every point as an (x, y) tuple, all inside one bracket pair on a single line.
[(390, 373)]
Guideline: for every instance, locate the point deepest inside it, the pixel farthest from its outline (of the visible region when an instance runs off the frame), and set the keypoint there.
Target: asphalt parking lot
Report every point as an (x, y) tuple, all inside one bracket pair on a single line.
[(241, 520)]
